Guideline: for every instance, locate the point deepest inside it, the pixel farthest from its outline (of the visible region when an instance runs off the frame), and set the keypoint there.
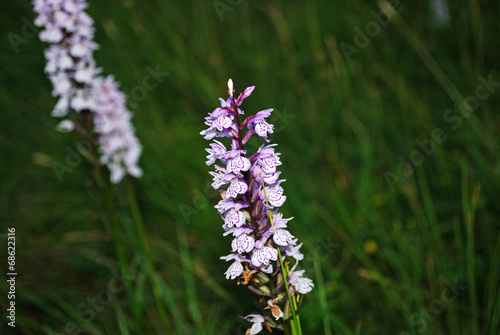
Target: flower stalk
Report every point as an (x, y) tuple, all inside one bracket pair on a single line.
[(146, 250)]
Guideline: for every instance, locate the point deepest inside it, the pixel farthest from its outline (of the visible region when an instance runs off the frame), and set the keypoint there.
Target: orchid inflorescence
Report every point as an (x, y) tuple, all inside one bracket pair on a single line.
[(72, 70), (262, 246)]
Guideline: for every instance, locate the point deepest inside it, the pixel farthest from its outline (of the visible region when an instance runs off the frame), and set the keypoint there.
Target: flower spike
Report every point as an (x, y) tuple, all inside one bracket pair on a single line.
[(252, 195), (82, 91)]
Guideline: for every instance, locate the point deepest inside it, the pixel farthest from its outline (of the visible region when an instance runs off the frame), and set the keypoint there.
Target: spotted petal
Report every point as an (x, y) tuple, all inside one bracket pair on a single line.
[(276, 197), (282, 237), (237, 187), (271, 178), (264, 255), (303, 285), (268, 164), (234, 270), (261, 128), (238, 164), (243, 243), (222, 122), (235, 218)]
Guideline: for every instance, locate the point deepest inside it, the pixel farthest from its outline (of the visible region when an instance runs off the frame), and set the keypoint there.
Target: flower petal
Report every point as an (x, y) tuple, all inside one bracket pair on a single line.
[(234, 270), (261, 129), (282, 237), (256, 328), (238, 164), (243, 243), (222, 122), (235, 218), (276, 199), (236, 187)]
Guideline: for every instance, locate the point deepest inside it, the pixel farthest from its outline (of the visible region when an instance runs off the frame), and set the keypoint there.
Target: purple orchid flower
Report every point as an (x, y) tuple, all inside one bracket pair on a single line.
[(251, 197)]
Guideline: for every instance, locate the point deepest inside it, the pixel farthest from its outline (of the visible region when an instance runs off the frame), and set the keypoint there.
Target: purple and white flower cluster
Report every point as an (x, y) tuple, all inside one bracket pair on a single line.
[(245, 182), (119, 147), (76, 82)]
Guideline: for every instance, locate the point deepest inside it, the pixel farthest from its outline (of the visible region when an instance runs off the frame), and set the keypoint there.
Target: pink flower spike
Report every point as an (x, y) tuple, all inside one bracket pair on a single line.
[(259, 232)]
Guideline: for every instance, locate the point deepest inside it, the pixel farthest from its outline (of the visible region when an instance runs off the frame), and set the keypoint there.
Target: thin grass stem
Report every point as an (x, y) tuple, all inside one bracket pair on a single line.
[(146, 251)]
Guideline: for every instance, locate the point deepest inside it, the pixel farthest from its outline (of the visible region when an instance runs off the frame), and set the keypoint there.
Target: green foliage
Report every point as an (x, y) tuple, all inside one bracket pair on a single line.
[(418, 255)]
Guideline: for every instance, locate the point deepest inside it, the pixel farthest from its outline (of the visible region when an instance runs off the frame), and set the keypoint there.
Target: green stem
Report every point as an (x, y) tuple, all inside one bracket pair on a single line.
[(295, 322), (115, 225), (136, 216), (468, 213), (105, 188)]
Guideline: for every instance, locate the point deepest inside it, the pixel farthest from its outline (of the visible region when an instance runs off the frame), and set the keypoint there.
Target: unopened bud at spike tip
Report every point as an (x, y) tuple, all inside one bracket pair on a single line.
[(230, 88)]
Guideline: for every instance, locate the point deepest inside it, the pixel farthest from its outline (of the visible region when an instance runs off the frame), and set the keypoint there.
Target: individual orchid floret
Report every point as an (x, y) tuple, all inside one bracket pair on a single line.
[(275, 309), (293, 250), (238, 164), (282, 237), (225, 205), (235, 269), (216, 151), (257, 321), (260, 125), (218, 121), (274, 196), (243, 243), (263, 255), (235, 217), (222, 177), (222, 122), (299, 283), (237, 187), (268, 164)]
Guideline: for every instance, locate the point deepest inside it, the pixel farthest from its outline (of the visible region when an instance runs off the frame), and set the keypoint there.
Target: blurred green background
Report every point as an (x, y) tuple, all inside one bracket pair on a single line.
[(394, 189)]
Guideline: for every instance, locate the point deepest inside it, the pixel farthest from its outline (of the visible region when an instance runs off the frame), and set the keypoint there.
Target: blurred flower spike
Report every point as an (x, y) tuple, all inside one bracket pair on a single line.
[(89, 103)]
